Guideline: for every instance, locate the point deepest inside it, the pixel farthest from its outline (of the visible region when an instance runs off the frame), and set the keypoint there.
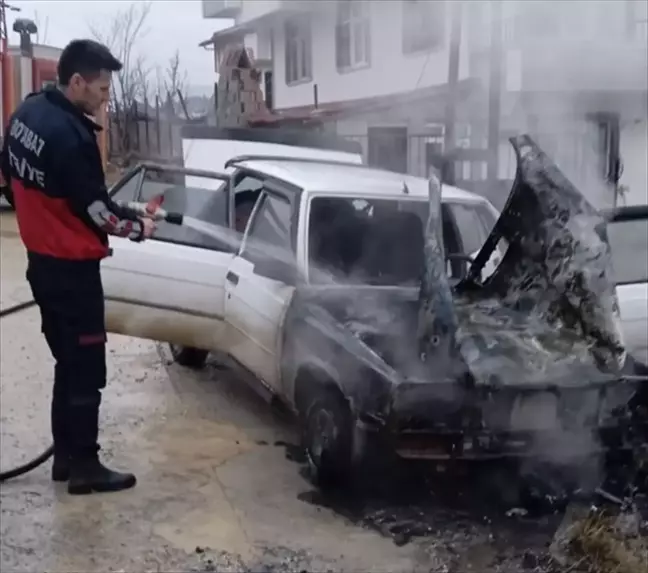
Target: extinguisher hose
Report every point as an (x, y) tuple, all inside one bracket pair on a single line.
[(47, 454)]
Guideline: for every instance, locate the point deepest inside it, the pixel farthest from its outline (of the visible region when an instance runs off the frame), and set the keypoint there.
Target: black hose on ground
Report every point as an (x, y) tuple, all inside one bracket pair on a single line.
[(29, 466), (17, 308), (47, 454), (172, 218)]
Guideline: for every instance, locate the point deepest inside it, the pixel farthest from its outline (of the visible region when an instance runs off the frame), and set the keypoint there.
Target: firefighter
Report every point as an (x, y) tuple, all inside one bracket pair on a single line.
[(52, 163)]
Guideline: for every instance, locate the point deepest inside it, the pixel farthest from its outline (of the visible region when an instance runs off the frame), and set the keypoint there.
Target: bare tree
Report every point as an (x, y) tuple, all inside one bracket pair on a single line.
[(121, 34), (176, 84), (41, 34), (143, 88)]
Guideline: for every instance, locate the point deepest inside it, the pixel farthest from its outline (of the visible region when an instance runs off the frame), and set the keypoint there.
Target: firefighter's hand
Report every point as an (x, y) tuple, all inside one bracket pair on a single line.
[(149, 227)]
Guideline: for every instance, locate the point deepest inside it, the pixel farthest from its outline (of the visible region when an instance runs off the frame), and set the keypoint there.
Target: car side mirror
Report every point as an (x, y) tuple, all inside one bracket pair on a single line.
[(277, 270)]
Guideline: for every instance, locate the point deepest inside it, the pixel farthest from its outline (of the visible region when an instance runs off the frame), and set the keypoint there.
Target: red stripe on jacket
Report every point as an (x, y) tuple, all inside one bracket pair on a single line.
[(48, 226)]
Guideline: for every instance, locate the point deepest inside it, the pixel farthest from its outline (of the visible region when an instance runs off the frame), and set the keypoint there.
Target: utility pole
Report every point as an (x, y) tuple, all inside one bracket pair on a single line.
[(495, 92), (4, 6), (449, 139)]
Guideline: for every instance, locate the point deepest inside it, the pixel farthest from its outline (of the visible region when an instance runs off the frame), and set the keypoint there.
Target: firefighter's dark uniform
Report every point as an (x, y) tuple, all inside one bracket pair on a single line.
[(52, 162)]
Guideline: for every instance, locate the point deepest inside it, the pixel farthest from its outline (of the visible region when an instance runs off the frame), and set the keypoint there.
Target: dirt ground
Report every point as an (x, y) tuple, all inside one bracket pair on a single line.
[(216, 490)]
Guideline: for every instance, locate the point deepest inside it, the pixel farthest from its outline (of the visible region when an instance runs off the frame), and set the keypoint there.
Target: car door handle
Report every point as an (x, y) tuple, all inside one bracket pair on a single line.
[(232, 277)]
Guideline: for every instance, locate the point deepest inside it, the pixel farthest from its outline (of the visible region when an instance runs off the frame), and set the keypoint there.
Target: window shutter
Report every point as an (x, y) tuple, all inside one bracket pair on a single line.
[(342, 46), (287, 48)]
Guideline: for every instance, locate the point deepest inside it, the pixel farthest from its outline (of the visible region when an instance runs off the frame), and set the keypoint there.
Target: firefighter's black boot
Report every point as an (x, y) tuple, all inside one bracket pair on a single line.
[(88, 475), (61, 466)]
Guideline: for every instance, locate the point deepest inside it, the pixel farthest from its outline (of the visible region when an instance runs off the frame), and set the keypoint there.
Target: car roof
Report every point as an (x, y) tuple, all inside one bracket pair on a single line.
[(332, 177)]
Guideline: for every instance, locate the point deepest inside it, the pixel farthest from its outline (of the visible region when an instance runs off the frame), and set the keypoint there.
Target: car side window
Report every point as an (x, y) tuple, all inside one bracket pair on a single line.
[(200, 199), (248, 183), (629, 245), (472, 229), (269, 230), (126, 191)]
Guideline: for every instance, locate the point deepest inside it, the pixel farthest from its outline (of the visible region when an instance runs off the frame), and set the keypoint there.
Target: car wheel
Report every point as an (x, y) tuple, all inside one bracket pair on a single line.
[(189, 357), (327, 436)]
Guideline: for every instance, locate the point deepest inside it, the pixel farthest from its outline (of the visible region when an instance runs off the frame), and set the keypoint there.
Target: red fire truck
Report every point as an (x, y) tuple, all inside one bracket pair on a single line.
[(22, 75)]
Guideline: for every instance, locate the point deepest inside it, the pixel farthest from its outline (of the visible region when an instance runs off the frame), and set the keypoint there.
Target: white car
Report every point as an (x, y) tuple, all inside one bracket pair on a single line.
[(178, 287), (628, 234), (316, 307)]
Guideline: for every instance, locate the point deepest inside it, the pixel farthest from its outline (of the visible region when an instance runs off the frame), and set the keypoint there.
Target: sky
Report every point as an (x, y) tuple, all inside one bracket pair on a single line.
[(171, 25)]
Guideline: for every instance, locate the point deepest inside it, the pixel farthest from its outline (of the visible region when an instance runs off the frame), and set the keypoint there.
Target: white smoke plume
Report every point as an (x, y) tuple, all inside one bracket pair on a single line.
[(570, 69)]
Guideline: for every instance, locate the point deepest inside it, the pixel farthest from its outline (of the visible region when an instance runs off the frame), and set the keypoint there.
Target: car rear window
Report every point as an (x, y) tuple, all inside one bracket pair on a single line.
[(366, 241), (629, 244), (379, 241)]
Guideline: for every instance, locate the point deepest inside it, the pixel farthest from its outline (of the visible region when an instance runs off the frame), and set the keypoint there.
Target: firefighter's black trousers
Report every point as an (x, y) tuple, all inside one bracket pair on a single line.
[(70, 297)]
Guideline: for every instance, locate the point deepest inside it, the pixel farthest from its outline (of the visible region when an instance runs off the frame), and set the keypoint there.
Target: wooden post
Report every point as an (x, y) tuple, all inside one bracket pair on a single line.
[(449, 140), (158, 136), (102, 136), (136, 125), (146, 126), (495, 91)]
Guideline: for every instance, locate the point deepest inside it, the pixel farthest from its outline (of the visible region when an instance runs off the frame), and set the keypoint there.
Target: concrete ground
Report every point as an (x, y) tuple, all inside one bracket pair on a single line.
[(216, 490), (213, 493)]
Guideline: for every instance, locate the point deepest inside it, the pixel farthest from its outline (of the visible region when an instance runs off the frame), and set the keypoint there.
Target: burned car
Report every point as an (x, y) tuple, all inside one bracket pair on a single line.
[(361, 300)]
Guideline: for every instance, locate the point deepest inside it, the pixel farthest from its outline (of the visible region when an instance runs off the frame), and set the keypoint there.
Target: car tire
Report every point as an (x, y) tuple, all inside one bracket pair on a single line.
[(327, 439), (189, 357)]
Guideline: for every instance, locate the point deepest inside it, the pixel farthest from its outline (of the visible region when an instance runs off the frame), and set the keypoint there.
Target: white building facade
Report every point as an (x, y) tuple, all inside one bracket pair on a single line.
[(574, 74)]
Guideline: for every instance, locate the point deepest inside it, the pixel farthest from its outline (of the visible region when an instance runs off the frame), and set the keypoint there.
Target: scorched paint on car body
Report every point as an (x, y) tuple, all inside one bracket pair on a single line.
[(323, 304)]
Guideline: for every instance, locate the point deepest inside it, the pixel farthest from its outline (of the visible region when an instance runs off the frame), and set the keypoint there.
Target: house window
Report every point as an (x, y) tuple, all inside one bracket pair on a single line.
[(298, 49), (352, 34), (543, 20), (423, 25), (637, 19)]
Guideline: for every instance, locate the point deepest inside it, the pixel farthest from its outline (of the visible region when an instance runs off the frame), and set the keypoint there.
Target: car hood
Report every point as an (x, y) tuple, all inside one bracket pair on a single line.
[(548, 314)]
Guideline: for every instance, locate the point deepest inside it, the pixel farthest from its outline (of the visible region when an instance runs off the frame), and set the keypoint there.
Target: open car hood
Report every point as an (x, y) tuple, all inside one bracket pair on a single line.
[(548, 315)]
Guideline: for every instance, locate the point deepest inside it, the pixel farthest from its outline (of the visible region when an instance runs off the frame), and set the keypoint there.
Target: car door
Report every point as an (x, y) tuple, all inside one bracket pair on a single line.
[(628, 235), (260, 284), (170, 288), (472, 222)]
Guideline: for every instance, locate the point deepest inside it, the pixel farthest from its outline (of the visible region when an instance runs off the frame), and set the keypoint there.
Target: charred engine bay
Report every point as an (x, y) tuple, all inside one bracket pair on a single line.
[(498, 354)]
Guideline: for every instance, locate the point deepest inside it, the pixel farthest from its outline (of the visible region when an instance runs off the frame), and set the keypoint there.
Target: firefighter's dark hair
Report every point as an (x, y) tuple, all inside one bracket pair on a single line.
[(87, 58)]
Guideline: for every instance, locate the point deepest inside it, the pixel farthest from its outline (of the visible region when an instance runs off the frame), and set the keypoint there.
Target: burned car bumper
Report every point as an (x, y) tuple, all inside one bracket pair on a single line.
[(549, 424)]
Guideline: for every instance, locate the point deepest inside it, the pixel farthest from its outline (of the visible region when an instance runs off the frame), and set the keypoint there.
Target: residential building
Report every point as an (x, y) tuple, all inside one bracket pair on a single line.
[(573, 73)]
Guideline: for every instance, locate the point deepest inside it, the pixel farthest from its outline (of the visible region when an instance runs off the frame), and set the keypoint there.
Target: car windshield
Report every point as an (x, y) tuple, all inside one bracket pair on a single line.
[(380, 241), (629, 244)]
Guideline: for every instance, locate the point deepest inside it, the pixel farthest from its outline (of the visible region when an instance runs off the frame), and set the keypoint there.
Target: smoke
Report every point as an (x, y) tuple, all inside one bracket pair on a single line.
[(570, 71)]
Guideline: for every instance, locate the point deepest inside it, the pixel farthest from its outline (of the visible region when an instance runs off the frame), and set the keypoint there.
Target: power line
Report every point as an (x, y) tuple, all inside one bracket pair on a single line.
[(4, 6)]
